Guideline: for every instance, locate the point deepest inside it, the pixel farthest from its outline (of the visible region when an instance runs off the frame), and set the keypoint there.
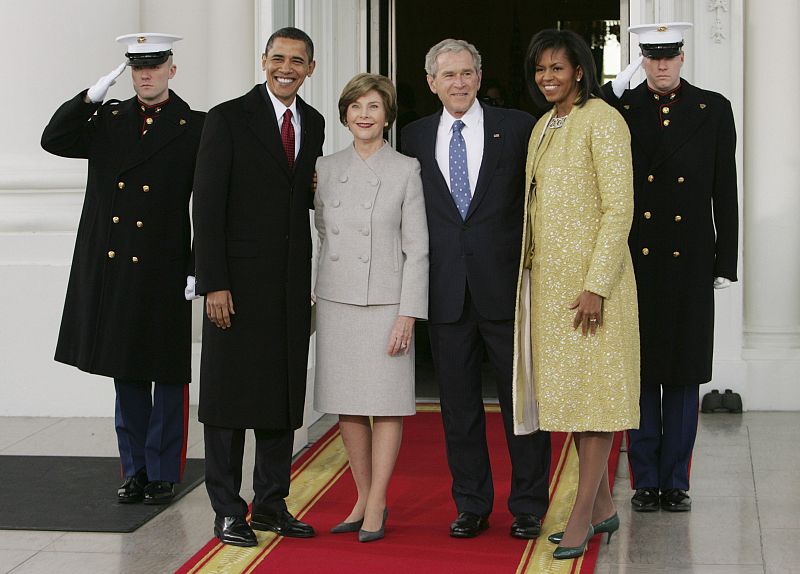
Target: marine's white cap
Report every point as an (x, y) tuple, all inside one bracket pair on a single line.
[(661, 40), (147, 48)]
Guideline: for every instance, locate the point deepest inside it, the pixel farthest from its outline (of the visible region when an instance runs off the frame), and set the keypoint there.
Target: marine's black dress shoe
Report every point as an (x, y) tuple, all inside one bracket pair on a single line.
[(282, 523), (526, 526), (132, 490), (234, 530), (159, 492), (676, 500), (468, 525), (645, 500)]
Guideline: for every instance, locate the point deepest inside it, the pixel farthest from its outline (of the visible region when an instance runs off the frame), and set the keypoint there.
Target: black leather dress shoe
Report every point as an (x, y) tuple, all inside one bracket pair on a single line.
[(526, 526), (676, 500), (159, 492), (282, 523), (235, 531), (645, 500), (468, 525), (132, 490)]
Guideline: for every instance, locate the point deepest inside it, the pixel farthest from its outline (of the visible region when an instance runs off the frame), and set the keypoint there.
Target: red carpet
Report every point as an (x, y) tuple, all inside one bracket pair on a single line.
[(421, 509)]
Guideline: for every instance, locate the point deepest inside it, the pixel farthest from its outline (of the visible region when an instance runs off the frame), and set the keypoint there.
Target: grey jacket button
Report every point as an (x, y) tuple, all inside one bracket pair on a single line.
[(334, 257)]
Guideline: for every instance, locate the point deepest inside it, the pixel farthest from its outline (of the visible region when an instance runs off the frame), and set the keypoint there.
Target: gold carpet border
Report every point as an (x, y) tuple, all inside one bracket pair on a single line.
[(562, 457), (313, 480), (436, 408), (556, 520)]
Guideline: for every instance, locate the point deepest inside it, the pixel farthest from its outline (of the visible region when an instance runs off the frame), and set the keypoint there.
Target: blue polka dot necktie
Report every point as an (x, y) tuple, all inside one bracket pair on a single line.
[(459, 172)]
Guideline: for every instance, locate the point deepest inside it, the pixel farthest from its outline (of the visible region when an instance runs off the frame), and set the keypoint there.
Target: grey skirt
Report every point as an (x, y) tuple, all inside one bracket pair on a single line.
[(354, 374)]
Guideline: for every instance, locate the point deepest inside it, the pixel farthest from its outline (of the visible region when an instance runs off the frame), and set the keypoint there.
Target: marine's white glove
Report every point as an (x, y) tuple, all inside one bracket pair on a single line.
[(97, 93), (622, 80), (189, 293), (721, 283)]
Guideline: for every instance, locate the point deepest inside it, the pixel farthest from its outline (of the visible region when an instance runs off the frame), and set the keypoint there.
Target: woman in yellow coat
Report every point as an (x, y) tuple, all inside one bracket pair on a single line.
[(577, 345)]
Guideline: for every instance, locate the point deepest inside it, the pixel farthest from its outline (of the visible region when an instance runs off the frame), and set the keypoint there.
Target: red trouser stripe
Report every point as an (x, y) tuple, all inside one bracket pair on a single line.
[(185, 427)]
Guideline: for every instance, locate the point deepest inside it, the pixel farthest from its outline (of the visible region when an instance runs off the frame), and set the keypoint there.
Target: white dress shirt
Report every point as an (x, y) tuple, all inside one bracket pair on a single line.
[(473, 138), (280, 109)]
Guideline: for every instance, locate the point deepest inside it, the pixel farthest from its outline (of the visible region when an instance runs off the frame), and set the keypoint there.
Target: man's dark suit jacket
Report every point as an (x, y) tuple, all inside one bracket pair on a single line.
[(481, 251), (252, 237)]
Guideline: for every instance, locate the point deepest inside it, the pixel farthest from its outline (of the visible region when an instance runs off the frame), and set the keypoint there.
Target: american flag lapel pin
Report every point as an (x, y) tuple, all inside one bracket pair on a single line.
[(497, 136)]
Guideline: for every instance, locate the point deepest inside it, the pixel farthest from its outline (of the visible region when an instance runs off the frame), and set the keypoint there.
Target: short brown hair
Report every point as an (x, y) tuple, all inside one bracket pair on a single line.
[(359, 85)]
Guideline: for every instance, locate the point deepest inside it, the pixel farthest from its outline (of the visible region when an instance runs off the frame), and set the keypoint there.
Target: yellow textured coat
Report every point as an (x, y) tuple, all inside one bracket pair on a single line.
[(577, 218)]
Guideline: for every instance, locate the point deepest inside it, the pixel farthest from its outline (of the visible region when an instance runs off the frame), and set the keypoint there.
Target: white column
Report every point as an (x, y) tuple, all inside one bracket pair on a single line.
[(772, 202), (339, 45), (41, 195), (230, 46)]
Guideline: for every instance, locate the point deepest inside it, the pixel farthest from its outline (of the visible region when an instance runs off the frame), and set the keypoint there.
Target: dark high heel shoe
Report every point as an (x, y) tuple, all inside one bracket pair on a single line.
[(610, 525), (342, 527), (569, 552), (372, 535)]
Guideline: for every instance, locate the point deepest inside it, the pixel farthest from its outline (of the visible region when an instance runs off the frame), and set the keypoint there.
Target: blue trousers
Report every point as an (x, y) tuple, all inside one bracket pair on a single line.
[(151, 426), (660, 451)]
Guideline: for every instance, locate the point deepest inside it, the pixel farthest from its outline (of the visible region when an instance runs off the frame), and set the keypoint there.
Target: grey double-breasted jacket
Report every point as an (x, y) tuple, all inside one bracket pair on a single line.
[(370, 215)]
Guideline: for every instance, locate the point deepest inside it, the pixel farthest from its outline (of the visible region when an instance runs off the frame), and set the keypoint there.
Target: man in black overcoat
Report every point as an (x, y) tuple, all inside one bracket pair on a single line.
[(125, 315), (475, 228), (684, 243), (253, 254)]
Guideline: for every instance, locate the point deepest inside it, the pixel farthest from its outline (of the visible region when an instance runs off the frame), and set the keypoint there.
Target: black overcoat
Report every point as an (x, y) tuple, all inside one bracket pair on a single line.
[(252, 237), (125, 315), (685, 225)]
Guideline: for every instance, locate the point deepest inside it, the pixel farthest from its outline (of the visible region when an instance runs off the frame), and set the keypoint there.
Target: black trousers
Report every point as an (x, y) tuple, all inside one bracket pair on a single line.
[(457, 354), (660, 450), (271, 473), (152, 421)]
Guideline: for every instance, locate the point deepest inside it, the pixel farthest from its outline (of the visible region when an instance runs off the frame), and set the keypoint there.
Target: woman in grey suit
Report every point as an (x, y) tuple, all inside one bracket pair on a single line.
[(372, 284)]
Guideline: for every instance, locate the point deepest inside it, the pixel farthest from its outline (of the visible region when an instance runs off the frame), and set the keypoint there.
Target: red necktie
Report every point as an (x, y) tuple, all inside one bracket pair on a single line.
[(287, 137)]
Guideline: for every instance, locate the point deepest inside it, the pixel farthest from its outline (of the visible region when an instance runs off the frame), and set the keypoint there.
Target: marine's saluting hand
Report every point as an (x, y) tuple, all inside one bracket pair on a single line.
[(97, 93)]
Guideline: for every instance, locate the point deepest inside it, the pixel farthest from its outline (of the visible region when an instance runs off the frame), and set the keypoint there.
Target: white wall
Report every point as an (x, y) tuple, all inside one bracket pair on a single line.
[(771, 202)]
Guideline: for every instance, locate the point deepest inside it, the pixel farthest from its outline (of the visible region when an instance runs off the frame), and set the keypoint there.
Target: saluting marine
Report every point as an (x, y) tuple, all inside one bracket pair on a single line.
[(126, 315), (684, 243)]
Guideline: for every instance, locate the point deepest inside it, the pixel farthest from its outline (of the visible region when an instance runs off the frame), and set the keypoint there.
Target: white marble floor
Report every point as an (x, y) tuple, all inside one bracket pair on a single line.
[(745, 517)]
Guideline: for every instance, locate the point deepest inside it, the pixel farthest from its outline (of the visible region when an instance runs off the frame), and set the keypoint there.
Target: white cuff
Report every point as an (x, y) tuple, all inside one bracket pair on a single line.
[(189, 293)]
